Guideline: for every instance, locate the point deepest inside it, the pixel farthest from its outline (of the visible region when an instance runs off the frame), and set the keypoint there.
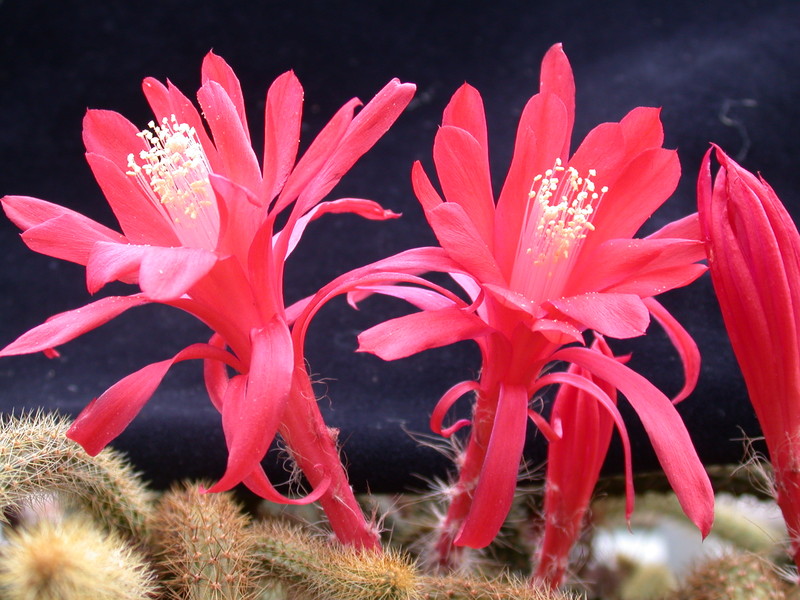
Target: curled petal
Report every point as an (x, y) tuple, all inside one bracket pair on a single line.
[(445, 403), (259, 483), (666, 431), (684, 344)]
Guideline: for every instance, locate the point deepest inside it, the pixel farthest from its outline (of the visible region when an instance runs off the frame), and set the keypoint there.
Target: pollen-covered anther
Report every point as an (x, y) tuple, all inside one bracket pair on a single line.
[(174, 172), (564, 202)]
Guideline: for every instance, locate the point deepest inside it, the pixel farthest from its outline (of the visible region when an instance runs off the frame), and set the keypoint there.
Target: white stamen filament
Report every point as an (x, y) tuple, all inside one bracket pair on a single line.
[(174, 173), (561, 204)]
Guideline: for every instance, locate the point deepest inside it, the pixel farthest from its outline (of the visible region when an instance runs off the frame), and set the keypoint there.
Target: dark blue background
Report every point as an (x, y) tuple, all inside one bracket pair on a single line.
[(725, 71)]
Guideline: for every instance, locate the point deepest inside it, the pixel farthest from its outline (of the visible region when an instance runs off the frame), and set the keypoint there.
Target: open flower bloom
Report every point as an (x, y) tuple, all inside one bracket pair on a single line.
[(198, 214), (754, 259), (554, 257)]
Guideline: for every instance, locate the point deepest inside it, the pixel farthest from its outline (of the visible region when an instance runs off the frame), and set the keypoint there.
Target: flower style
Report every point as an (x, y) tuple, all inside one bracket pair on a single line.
[(198, 216), (552, 258), (754, 259)]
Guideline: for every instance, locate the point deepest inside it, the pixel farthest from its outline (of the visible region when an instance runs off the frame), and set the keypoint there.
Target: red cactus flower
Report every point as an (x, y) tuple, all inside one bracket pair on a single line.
[(198, 215), (754, 259), (554, 257)]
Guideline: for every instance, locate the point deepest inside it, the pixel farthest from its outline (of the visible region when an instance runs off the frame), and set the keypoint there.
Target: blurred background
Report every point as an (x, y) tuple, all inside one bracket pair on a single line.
[(727, 72)]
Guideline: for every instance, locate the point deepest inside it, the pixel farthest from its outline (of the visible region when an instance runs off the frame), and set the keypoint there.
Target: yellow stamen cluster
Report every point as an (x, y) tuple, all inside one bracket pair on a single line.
[(174, 169), (565, 201)]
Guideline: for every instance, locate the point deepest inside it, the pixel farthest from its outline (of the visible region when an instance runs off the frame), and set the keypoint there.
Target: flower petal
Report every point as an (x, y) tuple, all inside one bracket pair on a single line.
[(465, 111), (684, 344), (427, 195), (216, 69), (169, 100), (56, 231), (108, 416), (237, 159), (362, 133), (282, 120), (556, 78), (458, 235), (141, 221), (404, 336), (645, 267), (615, 315), (463, 170), (112, 136), (666, 431), (543, 132), (66, 326), (168, 273), (498, 479), (253, 407), (445, 403)]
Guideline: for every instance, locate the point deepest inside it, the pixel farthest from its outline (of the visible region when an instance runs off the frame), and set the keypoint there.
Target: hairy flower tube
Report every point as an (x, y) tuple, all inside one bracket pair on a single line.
[(754, 260), (553, 258), (198, 218)]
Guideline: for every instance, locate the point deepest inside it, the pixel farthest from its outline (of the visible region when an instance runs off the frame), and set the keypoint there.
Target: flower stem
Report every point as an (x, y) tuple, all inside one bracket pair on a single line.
[(313, 448)]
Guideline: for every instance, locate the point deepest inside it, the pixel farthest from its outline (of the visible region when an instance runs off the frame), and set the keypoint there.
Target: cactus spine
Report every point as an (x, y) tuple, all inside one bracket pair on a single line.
[(36, 457), (202, 546), (71, 560)]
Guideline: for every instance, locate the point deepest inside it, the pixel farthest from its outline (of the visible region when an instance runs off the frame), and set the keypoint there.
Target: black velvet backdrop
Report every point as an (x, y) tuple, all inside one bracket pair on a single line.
[(725, 71)]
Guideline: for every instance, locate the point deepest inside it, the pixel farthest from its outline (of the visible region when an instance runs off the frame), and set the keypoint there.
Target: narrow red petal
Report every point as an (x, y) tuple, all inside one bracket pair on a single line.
[(112, 136), (404, 336), (216, 69), (684, 344), (108, 416), (282, 120), (556, 78), (63, 327), (110, 261), (237, 159), (169, 100), (465, 111), (56, 231), (498, 479), (251, 416), (666, 431), (463, 170), (427, 195), (141, 221)]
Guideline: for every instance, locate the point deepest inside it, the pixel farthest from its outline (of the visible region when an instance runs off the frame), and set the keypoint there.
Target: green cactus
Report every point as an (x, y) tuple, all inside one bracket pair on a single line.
[(733, 577), (36, 457), (202, 546), (73, 559), (317, 568)]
